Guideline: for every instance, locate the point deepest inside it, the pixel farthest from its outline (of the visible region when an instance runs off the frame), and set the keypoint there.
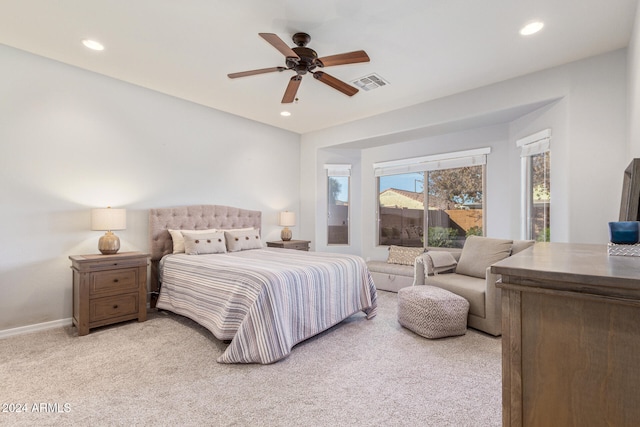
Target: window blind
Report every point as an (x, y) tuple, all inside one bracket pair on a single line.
[(452, 160), (338, 169), (537, 143)]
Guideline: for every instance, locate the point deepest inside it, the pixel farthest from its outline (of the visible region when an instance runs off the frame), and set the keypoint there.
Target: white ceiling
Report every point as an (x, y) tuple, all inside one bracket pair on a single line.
[(425, 49)]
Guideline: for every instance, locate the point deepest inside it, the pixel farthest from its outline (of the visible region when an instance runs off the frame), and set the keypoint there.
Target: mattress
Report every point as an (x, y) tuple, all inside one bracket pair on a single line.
[(266, 300)]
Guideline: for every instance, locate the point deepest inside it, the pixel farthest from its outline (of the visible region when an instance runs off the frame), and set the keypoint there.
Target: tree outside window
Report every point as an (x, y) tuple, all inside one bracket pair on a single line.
[(539, 195)]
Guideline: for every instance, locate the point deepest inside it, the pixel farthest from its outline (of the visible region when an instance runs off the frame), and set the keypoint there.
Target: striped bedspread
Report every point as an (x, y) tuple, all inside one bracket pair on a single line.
[(266, 300)]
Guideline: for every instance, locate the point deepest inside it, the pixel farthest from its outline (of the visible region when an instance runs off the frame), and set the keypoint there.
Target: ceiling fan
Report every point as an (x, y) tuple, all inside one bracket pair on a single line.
[(303, 60)]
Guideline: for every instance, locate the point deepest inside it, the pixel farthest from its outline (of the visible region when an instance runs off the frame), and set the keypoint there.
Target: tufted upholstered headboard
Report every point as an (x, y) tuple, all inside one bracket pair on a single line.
[(197, 217)]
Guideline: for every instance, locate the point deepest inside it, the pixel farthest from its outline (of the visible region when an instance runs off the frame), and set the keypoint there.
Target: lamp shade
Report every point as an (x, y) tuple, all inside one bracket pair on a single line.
[(107, 219), (287, 219)]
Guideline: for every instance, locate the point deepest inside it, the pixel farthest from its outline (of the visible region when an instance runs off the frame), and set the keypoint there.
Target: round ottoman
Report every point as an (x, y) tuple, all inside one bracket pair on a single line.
[(432, 312)]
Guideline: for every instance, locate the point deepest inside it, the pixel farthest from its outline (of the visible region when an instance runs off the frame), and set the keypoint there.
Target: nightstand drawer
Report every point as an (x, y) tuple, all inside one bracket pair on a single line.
[(113, 281), (113, 307), (300, 246), (91, 263)]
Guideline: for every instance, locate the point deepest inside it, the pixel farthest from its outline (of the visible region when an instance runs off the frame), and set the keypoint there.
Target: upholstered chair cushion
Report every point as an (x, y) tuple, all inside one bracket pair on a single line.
[(521, 245), (479, 253)]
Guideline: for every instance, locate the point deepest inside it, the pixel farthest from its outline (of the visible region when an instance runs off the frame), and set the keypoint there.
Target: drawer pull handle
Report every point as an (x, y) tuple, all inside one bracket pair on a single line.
[(115, 280), (115, 306)]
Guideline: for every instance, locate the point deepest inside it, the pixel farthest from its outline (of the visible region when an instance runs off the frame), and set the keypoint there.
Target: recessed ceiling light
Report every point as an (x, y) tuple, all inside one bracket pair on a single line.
[(531, 28), (92, 44), (285, 113)]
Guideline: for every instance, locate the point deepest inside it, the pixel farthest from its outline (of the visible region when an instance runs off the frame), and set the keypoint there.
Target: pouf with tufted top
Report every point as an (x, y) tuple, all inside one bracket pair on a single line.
[(432, 312)]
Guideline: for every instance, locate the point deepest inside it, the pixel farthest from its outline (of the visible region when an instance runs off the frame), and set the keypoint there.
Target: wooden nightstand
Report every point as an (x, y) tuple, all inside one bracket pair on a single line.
[(108, 289), (301, 245)]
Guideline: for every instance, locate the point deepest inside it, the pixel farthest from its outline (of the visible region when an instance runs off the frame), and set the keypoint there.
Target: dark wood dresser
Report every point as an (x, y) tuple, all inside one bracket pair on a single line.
[(570, 336)]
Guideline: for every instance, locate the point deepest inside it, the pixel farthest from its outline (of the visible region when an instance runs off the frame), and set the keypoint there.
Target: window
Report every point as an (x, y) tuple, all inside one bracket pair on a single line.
[(338, 177), (536, 186), (442, 194), (401, 209)]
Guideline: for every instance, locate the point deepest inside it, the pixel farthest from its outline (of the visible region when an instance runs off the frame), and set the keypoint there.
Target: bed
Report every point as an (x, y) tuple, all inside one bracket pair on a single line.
[(264, 300)]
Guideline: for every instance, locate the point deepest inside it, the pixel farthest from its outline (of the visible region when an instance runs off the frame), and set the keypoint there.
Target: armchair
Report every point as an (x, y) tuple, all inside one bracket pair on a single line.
[(472, 278)]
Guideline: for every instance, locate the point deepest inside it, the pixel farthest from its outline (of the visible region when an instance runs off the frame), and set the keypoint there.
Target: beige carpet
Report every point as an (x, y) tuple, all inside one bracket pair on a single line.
[(163, 372)]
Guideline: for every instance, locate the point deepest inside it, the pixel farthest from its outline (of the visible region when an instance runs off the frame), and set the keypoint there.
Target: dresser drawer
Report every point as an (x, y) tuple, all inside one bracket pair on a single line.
[(119, 281), (113, 307)]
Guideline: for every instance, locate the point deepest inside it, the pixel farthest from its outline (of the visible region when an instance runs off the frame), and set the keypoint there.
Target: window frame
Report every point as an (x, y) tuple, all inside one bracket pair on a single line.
[(532, 145), (425, 164), (335, 171)]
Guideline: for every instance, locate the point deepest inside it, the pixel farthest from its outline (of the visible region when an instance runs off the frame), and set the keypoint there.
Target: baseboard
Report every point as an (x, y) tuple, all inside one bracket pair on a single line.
[(35, 328)]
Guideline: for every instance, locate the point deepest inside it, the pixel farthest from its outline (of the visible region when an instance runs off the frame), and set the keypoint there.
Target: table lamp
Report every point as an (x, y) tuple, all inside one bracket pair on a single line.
[(108, 219), (287, 219)]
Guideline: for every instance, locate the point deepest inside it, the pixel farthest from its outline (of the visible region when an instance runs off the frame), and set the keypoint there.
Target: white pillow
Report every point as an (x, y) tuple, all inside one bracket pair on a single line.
[(232, 230), (178, 238), (204, 243), (243, 240)]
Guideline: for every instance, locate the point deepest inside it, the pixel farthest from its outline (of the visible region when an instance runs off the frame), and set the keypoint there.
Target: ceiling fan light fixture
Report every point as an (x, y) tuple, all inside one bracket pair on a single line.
[(531, 28), (92, 44)]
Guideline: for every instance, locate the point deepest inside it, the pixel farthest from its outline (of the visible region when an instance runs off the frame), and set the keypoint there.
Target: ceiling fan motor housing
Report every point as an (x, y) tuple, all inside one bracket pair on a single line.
[(301, 39), (307, 61)]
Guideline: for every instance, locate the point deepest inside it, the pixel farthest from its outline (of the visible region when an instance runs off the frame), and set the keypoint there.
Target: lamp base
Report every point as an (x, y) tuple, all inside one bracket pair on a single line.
[(285, 234), (109, 244)]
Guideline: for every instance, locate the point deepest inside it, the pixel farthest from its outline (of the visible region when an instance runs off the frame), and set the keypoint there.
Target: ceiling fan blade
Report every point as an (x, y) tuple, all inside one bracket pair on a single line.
[(277, 42), (335, 83), (254, 72), (292, 89), (345, 58)]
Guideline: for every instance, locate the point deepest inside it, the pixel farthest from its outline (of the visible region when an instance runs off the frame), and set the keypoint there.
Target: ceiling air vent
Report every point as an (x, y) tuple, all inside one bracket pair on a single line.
[(369, 82)]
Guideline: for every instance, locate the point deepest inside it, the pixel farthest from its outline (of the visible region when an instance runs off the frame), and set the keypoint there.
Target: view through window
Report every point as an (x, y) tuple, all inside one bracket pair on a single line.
[(539, 195), (338, 212), (454, 201)]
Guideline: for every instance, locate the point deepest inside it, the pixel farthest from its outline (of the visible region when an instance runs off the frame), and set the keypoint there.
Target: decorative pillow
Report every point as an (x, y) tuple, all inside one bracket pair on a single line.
[(479, 253), (204, 243), (439, 262), (178, 239), (243, 240), (238, 229), (403, 255)]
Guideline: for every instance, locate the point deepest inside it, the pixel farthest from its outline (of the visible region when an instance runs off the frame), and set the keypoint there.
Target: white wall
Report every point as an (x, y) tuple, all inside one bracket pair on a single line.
[(72, 140), (584, 103)]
